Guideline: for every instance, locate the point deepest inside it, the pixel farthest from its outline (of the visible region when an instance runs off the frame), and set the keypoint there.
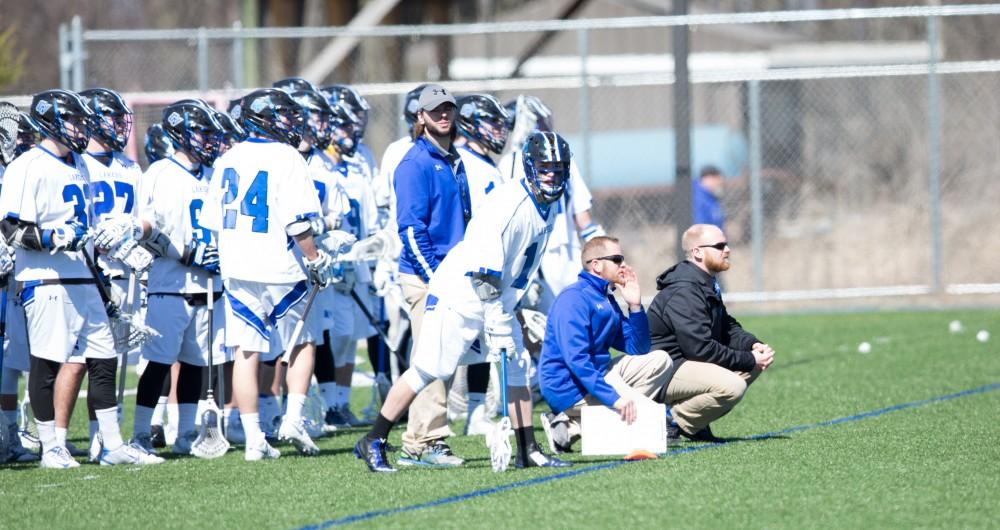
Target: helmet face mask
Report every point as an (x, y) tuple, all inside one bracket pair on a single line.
[(317, 116), (191, 126), (546, 158), (158, 145), (271, 113), (62, 116), (27, 135), (345, 130), (354, 101), (482, 119), (231, 132), (112, 117)]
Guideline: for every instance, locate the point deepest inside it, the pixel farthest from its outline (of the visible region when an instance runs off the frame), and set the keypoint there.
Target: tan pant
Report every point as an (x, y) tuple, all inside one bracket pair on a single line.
[(642, 374), (429, 411), (700, 393)]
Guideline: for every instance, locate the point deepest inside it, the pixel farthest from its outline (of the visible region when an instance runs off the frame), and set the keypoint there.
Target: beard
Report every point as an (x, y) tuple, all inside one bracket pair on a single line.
[(717, 264), (439, 131)]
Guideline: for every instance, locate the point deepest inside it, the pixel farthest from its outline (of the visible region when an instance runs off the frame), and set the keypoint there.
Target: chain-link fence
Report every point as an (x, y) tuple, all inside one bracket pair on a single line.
[(857, 145)]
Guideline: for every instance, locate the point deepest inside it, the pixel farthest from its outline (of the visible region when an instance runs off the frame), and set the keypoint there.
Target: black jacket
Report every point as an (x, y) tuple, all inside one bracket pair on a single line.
[(689, 321)]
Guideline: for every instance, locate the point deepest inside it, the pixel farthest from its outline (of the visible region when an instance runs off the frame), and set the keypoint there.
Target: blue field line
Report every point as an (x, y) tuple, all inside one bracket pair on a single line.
[(609, 465)]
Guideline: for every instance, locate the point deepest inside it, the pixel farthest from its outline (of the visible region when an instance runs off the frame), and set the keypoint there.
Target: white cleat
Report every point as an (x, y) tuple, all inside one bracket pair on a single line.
[(127, 454), (296, 433), (260, 451), (144, 442), (96, 444), (182, 445), (58, 458)]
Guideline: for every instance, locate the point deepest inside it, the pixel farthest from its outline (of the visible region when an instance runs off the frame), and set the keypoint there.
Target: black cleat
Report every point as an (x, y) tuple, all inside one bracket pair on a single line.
[(158, 437), (536, 458), (373, 453), (704, 435)]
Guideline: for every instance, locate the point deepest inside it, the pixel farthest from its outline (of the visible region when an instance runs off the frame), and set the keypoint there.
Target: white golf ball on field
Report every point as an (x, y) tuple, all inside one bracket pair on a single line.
[(864, 347), (983, 335), (955, 326)]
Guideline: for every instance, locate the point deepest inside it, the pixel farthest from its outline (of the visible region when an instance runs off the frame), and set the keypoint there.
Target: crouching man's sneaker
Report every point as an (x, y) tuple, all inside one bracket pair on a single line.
[(536, 458), (557, 432), (373, 453), (437, 454)]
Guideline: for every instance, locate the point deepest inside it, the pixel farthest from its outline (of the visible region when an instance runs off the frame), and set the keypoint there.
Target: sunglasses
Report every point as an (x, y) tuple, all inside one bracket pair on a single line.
[(617, 259), (720, 246)]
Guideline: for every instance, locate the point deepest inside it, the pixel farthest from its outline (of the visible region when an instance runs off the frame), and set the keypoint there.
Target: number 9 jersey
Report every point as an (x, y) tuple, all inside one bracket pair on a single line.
[(258, 188)]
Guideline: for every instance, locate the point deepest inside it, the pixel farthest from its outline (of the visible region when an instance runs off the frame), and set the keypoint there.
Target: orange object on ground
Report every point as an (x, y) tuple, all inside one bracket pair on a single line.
[(640, 454)]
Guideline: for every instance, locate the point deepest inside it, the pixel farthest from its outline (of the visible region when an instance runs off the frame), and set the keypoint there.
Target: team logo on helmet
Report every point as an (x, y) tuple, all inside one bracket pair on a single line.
[(413, 106), (235, 112), (174, 119), (260, 104), (43, 106), (467, 110)]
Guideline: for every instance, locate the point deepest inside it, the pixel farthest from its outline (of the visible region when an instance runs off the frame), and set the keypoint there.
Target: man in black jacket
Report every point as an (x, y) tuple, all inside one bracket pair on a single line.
[(714, 357)]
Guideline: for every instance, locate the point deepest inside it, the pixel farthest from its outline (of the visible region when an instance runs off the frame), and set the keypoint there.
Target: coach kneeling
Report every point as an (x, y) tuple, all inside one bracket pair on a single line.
[(584, 323)]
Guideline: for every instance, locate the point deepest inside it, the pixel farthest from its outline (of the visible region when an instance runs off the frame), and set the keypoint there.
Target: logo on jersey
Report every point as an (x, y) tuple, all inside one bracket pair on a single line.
[(259, 104), (174, 119), (43, 106), (438, 167), (600, 307)]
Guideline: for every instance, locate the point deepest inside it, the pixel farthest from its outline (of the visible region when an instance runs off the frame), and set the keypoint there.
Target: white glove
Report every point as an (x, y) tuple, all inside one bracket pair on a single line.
[(114, 230), (73, 236), (338, 241), (133, 256), (6, 259), (382, 278), (320, 269), (499, 329)]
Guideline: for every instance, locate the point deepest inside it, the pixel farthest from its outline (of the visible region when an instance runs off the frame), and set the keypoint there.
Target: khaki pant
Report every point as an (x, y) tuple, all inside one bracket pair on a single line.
[(700, 393), (429, 411), (642, 375)]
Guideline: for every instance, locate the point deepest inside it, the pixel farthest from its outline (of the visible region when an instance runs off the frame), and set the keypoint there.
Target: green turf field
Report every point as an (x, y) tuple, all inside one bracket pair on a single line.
[(916, 461)]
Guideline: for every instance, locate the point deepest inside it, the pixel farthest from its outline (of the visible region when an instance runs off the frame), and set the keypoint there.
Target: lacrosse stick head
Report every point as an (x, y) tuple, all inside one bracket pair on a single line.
[(211, 443), (9, 117), (534, 323), (499, 444), (371, 248)]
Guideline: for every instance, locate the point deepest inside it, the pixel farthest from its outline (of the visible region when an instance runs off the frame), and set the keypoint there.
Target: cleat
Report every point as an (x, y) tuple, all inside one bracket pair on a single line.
[(557, 433), (297, 435), (96, 444), (536, 458), (144, 443), (704, 435), (260, 451), (373, 453), (29, 441), (17, 452), (182, 445), (342, 418), (158, 438), (126, 454), (58, 458), (437, 454)]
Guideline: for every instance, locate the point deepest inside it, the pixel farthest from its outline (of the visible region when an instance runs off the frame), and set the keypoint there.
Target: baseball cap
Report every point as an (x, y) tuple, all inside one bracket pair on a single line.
[(433, 95)]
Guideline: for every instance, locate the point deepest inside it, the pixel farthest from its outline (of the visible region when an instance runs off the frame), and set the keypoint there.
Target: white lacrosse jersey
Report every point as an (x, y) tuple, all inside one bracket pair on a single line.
[(258, 188), (114, 190), (505, 238), (172, 199), (385, 195), (482, 174), (362, 217), (43, 189), (326, 179)]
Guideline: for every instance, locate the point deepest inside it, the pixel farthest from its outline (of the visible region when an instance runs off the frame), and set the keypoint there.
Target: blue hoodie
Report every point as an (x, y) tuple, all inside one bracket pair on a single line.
[(432, 207), (584, 323)]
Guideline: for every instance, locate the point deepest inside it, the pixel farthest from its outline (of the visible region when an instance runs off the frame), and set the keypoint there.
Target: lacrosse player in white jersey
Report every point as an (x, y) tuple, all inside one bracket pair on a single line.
[(560, 262), (472, 297), (15, 347), (47, 211), (266, 202), (483, 122), (173, 195)]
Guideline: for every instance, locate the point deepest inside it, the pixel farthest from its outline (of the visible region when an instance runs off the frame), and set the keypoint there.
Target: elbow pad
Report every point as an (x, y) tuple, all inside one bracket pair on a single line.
[(487, 286), (298, 228), (20, 234)]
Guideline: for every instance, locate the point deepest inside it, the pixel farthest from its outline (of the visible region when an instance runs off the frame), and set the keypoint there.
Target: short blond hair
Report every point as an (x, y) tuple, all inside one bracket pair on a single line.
[(692, 236), (596, 248)]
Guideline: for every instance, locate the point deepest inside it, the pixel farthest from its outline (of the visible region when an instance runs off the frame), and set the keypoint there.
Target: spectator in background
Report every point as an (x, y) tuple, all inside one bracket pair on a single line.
[(715, 359), (706, 197)]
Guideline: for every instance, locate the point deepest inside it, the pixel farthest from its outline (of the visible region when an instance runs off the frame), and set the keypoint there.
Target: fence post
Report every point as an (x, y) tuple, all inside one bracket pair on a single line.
[(934, 149), (76, 30), (583, 46), (237, 57), (756, 195), (202, 53), (682, 126), (65, 61)]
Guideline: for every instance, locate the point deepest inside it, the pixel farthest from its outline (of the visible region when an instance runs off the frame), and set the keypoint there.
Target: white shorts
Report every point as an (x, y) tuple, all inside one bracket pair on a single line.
[(257, 311), (66, 321), (446, 342), (15, 343), (183, 330), (338, 313)]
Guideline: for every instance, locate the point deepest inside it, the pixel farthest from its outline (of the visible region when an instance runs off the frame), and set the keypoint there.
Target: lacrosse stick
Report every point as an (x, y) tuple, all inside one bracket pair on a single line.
[(211, 442), (381, 381), (534, 324), (123, 351), (299, 326), (4, 430), (372, 247), (499, 440), (8, 131), (137, 333), (371, 320)]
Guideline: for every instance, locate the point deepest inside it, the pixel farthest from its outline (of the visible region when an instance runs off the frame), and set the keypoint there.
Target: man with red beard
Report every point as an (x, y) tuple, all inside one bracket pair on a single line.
[(715, 359)]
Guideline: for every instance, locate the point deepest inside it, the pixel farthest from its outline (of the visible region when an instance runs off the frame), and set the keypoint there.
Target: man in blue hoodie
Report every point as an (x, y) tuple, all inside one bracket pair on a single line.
[(584, 323)]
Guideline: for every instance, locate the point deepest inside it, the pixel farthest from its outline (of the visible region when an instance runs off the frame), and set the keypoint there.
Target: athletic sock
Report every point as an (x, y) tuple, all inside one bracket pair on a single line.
[(329, 393), (295, 403), (185, 417), (381, 428), (342, 396), (251, 427), (61, 436), (47, 434), (172, 414), (143, 421), (159, 411), (202, 407), (110, 433), (525, 440)]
